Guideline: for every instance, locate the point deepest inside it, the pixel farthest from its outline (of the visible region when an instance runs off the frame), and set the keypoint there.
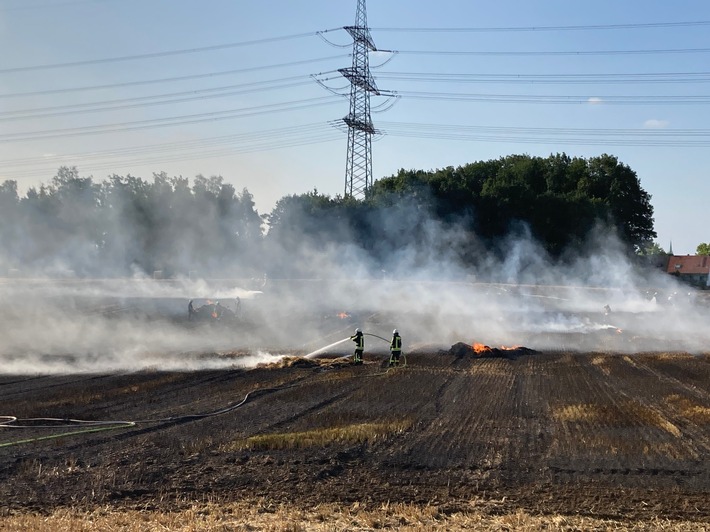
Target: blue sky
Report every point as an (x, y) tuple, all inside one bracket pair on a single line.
[(203, 101)]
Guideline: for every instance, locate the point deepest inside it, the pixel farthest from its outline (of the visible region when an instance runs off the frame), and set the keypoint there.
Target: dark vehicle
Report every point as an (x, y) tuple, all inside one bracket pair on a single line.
[(211, 311)]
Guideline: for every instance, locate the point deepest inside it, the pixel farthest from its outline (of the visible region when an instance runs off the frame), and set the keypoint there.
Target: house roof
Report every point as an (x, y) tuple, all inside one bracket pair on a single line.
[(689, 264)]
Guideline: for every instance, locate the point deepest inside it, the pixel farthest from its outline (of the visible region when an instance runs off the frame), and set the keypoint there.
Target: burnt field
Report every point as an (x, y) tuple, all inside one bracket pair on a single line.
[(599, 434)]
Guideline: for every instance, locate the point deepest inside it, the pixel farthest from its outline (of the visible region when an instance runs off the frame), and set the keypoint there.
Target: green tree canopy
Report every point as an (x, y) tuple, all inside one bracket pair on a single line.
[(560, 198)]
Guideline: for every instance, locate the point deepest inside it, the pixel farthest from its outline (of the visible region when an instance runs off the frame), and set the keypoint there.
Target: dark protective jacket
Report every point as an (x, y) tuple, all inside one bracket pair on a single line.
[(359, 340), (396, 343)]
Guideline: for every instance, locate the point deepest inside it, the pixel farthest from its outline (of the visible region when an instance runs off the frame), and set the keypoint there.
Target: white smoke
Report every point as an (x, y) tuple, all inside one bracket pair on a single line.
[(597, 300)]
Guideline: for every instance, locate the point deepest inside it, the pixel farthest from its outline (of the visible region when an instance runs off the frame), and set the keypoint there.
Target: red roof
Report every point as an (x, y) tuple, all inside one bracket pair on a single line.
[(689, 264)]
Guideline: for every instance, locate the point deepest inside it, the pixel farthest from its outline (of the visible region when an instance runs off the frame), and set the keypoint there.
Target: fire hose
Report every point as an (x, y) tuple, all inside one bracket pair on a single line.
[(321, 349), (386, 340), (12, 422)]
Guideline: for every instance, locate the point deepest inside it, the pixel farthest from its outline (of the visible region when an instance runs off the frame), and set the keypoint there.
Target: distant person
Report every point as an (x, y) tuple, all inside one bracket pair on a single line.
[(190, 310), (359, 340), (607, 310), (395, 348)]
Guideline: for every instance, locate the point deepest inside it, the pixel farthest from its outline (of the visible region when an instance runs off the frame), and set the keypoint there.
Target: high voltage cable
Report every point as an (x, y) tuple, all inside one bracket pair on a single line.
[(317, 133), (183, 156), (318, 138), (279, 83), (557, 99), (160, 99), (659, 77), (182, 145), (554, 140), (310, 34), (555, 130), (594, 137), (45, 6), (171, 121), (172, 79), (673, 77), (551, 53), (649, 25), (157, 54)]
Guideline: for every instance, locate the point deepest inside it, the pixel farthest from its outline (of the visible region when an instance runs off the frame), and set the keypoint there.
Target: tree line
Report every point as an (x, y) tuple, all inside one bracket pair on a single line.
[(126, 224)]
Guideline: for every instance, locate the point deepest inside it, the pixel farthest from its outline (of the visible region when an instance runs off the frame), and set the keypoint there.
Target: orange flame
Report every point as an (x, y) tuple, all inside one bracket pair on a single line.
[(343, 315), (480, 348)]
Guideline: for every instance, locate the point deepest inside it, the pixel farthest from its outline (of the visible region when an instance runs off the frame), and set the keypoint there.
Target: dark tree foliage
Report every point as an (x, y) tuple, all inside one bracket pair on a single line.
[(126, 225), (559, 198)]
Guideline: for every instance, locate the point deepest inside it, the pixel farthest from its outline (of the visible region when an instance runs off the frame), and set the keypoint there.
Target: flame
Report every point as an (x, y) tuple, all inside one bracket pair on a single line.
[(343, 315), (480, 348)]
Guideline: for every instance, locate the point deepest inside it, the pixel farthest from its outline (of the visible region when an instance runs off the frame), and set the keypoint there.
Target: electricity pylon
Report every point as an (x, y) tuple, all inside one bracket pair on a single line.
[(358, 166)]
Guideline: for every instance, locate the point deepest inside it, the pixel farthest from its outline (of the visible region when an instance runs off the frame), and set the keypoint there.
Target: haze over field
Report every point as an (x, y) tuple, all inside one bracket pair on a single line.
[(522, 297)]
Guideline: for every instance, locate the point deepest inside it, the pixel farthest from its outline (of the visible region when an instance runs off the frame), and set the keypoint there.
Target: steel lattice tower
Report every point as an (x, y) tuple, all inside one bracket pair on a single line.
[(358, 166)]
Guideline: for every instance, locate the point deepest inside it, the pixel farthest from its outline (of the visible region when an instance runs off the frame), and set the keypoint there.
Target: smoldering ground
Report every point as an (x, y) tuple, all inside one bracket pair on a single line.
[(313, 293)]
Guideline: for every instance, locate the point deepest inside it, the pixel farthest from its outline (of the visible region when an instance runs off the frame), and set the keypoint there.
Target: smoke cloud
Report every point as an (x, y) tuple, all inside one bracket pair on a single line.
[(305, 292)]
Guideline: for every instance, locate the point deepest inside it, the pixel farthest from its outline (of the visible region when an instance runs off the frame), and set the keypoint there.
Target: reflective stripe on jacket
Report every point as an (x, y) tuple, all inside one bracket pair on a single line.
[(359, 340), (396, 344)]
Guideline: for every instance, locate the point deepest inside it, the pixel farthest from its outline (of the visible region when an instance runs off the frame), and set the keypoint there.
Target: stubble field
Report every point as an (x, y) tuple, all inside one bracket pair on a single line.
[(537, 440)]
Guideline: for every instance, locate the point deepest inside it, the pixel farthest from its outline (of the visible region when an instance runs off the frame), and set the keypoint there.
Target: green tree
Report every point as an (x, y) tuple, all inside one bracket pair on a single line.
[(654, 248), (559, 198), (703, 249)]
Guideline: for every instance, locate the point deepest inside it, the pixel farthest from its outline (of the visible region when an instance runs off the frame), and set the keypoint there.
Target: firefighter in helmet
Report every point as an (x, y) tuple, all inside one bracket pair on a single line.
[(395, 348), (359, 340)]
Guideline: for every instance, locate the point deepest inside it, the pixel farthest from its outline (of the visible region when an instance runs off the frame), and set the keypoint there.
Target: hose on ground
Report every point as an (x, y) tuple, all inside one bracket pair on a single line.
[(13, 422)]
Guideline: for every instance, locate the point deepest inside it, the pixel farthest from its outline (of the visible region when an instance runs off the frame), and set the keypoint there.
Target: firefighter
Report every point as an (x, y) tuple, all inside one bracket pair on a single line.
[(359, 340), (395, 348), (190, 310)]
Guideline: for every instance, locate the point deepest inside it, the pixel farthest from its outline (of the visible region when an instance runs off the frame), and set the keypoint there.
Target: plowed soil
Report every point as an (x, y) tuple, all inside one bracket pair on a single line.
[(594, 434)]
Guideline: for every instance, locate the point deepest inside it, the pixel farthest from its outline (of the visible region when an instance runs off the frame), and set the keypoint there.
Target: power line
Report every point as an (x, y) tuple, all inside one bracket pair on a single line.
[(159, 99), (157, 54), (171, 79), (45, 6), (173, 120), (182, 145), (181, 156), (592, 27), (558, 99), (525, 53), (677, 138), (419, 52), (554, 130), (629, 78), (315, 133)]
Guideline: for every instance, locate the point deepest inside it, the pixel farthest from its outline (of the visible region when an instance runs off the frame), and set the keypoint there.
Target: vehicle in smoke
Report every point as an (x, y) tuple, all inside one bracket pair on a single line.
[(212, 311)]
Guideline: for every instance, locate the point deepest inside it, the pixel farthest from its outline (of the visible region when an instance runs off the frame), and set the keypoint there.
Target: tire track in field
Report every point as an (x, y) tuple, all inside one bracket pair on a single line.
[(38, 384), (637, 432), (472, 430), (600, 430), (427, 382), (523, 457), (690, 434), (662, 375)]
